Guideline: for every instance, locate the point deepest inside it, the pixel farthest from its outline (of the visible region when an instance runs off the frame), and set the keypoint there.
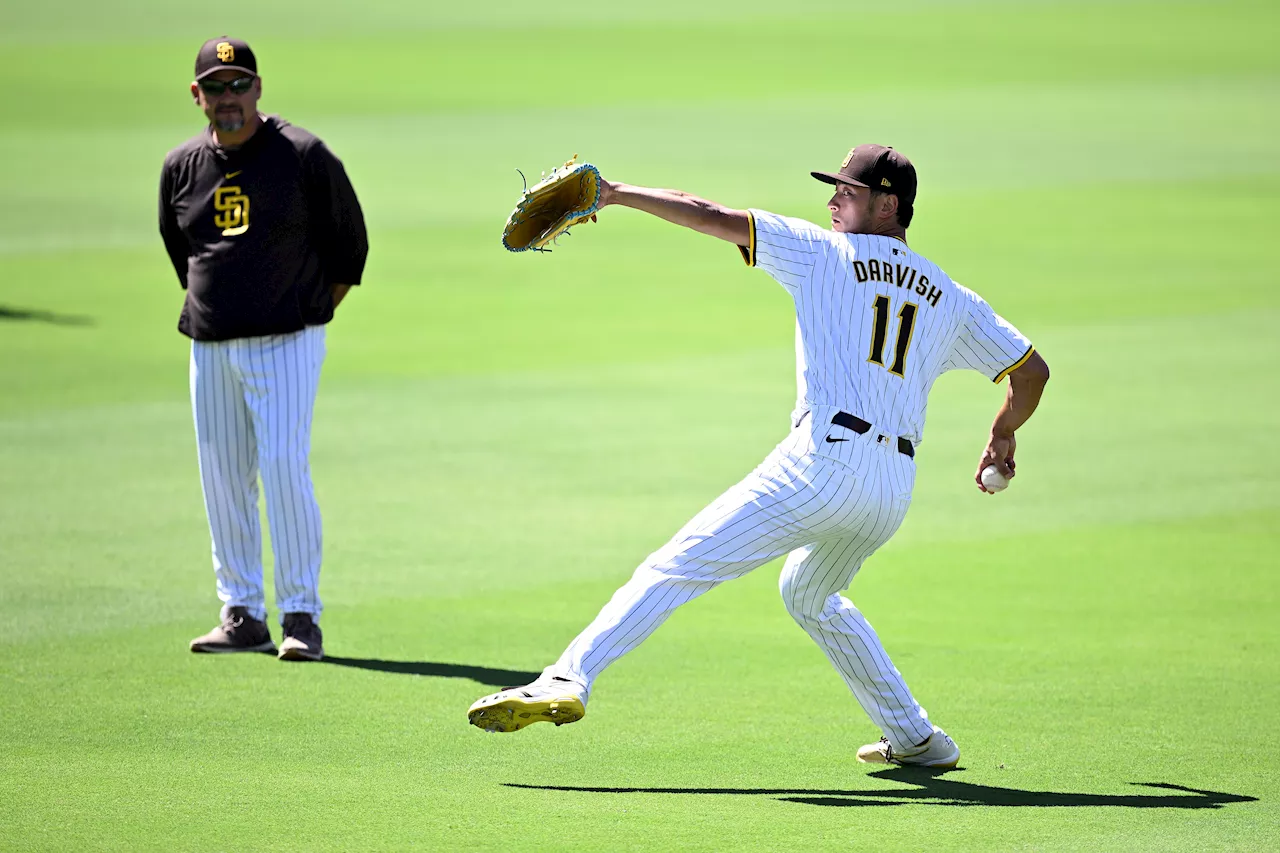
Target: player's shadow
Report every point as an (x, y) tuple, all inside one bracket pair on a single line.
[(930, 788), (8, 312), (481, 674)]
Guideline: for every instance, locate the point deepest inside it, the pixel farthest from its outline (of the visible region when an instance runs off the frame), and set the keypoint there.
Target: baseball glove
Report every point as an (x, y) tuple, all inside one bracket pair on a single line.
[(569, 195)]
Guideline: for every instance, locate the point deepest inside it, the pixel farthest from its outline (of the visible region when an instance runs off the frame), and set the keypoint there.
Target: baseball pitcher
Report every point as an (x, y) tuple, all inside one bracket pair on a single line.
[(876, 324)]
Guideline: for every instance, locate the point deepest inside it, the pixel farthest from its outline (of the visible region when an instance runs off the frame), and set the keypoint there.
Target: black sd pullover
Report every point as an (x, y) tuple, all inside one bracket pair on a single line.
[(259, 234)]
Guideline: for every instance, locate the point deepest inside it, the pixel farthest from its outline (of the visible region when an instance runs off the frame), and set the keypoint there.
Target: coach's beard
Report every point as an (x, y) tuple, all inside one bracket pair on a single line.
[(228, 120)]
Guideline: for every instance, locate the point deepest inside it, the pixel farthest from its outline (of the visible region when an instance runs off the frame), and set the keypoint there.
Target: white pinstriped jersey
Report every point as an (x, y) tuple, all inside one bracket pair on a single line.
[(877, 323)]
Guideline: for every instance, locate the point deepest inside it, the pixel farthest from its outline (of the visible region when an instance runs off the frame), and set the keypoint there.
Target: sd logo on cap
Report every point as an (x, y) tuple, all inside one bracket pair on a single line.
[(223, 53)]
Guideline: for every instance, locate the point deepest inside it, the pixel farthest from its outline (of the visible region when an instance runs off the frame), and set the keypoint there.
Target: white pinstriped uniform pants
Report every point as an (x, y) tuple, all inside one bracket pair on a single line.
[(253, 400), (829, 505)]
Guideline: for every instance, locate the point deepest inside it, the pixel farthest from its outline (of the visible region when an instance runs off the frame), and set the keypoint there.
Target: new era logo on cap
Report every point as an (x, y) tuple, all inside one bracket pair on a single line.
[(884, 182)]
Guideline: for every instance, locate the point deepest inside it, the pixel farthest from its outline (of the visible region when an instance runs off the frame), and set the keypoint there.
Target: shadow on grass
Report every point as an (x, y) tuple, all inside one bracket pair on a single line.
[(481, 674), (8, 312), (931, 789)]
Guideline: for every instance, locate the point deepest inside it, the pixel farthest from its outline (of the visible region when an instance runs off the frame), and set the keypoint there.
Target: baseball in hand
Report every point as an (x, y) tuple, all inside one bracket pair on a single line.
[(993, 480)]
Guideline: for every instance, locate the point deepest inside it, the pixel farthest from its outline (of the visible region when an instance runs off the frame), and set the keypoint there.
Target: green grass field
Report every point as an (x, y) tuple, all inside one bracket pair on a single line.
[(501, 438)]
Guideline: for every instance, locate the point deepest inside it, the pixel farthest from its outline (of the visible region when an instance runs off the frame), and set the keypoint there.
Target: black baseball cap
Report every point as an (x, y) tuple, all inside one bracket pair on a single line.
[(221, 53), (878, 167)]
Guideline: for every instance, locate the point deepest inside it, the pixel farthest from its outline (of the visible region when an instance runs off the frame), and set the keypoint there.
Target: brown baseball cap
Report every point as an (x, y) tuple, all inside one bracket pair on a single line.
[(225, 53), (878, 167)]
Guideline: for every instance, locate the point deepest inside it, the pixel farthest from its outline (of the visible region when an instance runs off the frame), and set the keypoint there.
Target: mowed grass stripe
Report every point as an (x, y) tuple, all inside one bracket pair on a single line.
[(982, 654), (586, 471), (630, 291), (425, 69), (95, 186)]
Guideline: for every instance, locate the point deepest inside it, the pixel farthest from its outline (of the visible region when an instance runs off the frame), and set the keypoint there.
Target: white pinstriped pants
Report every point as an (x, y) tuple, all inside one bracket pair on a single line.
[(253, 400), (829, 505)]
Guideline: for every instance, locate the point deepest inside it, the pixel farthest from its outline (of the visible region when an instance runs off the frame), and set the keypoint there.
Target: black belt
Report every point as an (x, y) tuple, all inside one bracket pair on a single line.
[(861, 427)]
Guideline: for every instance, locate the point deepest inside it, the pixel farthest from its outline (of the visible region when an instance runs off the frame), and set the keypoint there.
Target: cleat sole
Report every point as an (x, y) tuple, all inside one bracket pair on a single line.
[(513, 714)]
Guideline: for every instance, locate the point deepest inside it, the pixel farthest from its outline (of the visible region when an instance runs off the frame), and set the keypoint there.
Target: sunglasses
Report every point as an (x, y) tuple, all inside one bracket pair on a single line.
[(238, 86)]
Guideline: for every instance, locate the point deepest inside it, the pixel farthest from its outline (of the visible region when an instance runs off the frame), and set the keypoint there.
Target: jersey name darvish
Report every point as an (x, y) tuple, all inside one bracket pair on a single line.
[(876, 322)]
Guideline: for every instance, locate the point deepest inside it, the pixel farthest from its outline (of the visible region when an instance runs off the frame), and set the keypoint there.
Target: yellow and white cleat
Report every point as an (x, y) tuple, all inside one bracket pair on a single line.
[(938, 750), (556, 700)]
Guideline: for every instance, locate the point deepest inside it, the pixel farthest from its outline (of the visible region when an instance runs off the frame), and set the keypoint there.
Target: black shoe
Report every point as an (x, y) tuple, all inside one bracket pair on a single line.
[(302, 638), (239, 632)]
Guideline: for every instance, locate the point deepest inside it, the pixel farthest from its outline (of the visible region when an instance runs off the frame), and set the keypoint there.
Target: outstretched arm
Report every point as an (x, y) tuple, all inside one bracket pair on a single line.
[(705, 217), (1026, 384)]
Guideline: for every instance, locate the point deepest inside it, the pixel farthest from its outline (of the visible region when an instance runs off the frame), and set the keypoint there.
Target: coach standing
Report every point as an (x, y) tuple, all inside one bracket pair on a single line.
[(266, 235)]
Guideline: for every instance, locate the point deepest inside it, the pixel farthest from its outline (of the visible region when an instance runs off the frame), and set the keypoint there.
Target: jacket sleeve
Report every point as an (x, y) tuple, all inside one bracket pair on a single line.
[(337, 223), (175, 242)]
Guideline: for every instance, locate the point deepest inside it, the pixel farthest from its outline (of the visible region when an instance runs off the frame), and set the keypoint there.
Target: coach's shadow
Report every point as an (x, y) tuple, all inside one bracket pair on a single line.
[(481, 674), (9, 312), (931, 788)]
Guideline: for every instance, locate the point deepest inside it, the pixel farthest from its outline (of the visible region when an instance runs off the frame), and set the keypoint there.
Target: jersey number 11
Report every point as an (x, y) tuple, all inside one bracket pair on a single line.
[(906, 325)]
